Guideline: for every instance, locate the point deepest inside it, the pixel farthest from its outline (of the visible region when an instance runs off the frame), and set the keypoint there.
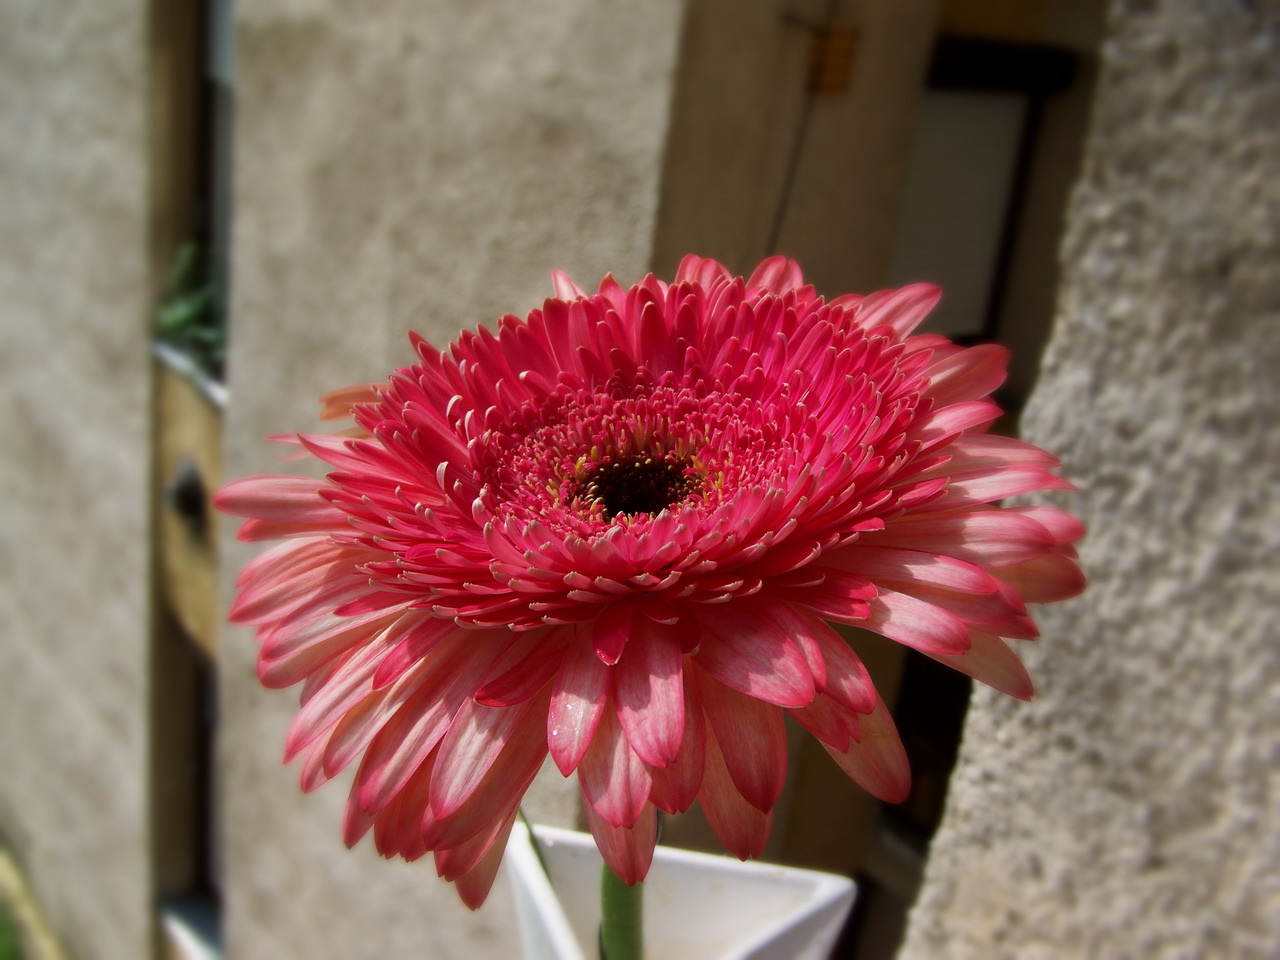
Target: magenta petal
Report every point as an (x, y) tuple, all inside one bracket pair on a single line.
[(700, 270), (612, 630), (649, 684)]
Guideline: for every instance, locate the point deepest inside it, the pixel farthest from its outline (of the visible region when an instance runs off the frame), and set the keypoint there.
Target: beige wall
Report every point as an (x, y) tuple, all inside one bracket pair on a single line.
[(1130, 810), (425, 166), (73, 559)]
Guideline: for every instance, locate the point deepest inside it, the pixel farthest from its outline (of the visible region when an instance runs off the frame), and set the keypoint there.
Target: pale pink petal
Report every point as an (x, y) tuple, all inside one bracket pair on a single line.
[(627, 850), (1063, 527), (421, 722), (675, 787), (877, 762), (615, 782), (564, 287), (776, 275), (578, 698), (290, 652), (749, 651), (286, 498), (903, 309), (477, 735), (990, 661), (525, 668), (918, 624), (831, 722), (982, 535), (397, 828), (474, 886), (968, 374), (753, 741), (701, 271), (495, 797), (740, 826), (848, 682), (650, 691), (456, 861), (1045, 579), (350, 684)]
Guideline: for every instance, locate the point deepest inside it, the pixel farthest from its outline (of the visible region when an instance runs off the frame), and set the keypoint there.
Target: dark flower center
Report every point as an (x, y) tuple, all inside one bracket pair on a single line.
[(639, 484)]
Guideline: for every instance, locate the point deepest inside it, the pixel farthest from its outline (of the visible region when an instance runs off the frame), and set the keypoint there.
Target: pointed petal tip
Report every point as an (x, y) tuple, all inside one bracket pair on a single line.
[(564, 286)]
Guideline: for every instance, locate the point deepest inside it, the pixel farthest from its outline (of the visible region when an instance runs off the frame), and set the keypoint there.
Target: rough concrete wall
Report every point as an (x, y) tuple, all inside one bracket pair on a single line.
[(73, 562), (1130, 810), (415, 165)]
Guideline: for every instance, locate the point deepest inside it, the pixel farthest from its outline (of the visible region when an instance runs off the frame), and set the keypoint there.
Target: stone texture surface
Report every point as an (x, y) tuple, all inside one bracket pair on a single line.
[(417, 166), (1130, 810), (73, 486)]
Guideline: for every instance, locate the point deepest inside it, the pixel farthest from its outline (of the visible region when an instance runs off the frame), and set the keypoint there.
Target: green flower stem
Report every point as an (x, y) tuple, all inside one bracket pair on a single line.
[(621, 918)]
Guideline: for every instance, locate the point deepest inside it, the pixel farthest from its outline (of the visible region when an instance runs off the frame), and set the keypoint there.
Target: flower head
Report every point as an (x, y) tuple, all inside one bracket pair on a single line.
[(617, 531)]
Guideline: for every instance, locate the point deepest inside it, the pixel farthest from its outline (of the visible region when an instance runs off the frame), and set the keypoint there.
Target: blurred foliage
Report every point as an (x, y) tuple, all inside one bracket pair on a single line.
[(187, 318), (10, 949)]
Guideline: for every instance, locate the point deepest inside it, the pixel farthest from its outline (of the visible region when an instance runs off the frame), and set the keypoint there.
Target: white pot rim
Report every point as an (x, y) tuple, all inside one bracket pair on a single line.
[(699, 904)]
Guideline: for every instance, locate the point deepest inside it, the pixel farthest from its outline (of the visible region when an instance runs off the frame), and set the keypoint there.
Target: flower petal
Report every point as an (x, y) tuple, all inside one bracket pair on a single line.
[(745, 647), (614, 781), (649, 683), (876, 761), (740, 826), (990, 661), (903, 309), (627, 850), (752, 738), (675, 786), (579, 694)]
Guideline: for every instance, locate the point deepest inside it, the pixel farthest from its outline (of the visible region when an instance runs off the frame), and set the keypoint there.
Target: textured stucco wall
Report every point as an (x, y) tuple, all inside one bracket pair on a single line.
[(415, 165), (73, 562), (1130, 810)]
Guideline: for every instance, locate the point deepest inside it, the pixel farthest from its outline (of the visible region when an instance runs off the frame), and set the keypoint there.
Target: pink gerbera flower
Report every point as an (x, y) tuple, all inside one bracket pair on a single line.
[(616, 531)]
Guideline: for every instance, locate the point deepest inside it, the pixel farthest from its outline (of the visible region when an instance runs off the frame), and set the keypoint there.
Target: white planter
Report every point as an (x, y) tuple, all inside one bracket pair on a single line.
[(695, 905)]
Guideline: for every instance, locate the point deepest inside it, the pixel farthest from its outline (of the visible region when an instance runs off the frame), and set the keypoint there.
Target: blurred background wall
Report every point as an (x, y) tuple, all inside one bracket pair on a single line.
[(75, 287), (1130, 811), (404, 169), (278, 192)]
